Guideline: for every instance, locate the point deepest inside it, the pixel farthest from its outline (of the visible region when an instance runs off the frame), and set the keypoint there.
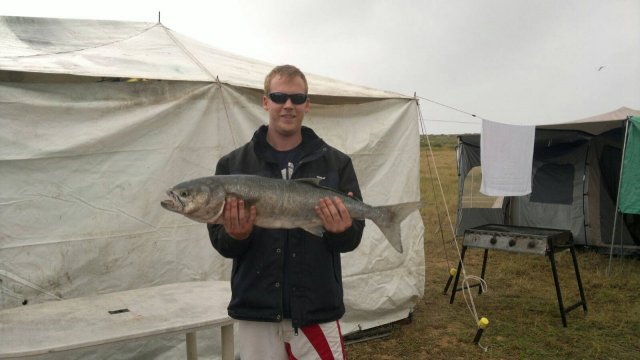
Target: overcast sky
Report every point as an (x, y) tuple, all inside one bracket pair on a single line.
[(511, 61)]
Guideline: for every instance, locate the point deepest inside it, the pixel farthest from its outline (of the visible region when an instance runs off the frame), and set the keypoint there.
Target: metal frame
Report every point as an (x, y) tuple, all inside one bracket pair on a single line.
[(551, 253)]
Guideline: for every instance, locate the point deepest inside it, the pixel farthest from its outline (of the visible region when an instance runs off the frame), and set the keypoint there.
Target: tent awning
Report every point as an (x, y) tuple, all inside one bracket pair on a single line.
[(596, 124)]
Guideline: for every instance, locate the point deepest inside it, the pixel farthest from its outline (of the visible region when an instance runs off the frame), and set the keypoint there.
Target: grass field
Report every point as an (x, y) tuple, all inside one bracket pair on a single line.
[(520, 302)]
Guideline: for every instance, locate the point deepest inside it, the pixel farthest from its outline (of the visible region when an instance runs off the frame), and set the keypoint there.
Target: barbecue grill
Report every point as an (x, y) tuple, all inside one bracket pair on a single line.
[(525, 240)]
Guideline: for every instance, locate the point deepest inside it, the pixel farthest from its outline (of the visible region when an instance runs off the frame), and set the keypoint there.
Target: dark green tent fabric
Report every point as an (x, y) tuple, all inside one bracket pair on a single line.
[(630, 184)]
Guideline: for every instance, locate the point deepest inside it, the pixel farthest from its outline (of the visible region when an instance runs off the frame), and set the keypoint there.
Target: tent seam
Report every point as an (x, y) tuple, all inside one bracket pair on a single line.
[(188, 53)]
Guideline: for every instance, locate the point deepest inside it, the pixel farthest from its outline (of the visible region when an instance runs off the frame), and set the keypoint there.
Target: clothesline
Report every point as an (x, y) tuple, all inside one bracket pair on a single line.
[(450, 107)]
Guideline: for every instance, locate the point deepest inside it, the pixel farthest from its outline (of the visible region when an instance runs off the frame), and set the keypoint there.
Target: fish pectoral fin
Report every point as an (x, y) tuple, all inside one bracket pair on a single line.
[(315, 230), (217, 219)]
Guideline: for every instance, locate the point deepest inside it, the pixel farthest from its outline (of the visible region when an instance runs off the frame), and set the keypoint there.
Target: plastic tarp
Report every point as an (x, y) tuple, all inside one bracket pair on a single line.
[(629, 189), (84, 166)]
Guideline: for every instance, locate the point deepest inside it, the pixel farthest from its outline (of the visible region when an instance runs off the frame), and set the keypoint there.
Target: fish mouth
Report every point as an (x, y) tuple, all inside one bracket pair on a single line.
[(174, 203)]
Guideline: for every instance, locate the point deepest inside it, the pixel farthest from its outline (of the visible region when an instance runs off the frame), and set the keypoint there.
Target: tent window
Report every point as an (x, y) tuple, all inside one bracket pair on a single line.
[(553, 184), (471, 195)]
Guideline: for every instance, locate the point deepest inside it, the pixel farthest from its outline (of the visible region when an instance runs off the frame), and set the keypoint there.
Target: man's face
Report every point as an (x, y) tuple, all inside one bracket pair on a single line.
[(286, 119)]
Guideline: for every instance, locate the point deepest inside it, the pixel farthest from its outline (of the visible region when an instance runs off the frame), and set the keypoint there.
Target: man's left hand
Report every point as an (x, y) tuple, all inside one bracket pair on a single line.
[(334, 214)]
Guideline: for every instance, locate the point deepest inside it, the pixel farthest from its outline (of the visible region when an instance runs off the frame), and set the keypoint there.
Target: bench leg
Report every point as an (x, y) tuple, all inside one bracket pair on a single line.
[(228, 351), (192, 346)]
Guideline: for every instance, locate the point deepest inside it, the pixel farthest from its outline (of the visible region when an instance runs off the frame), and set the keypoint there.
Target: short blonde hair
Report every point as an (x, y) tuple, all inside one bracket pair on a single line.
[(286, 71)]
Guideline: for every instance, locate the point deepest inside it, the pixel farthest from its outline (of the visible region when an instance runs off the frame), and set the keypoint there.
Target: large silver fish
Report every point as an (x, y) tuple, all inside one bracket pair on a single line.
[(280, 204)]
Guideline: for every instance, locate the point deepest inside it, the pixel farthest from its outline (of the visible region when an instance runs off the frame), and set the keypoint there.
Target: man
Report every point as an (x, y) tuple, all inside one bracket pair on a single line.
[(287, 284)]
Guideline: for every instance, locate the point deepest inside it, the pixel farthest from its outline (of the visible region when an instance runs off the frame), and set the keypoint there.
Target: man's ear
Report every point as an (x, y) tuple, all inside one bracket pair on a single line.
[(265, 102)]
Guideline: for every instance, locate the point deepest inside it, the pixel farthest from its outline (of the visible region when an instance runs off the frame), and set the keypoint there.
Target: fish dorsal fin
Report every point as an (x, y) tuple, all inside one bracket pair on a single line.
[(310, 181), (316, 183)]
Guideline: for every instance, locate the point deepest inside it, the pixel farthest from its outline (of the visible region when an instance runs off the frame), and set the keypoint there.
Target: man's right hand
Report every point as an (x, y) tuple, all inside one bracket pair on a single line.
[(236, 222)]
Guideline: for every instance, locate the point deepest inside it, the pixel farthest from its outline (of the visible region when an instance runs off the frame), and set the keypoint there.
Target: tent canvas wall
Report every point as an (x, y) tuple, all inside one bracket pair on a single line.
[(576, 168), (99, 118)]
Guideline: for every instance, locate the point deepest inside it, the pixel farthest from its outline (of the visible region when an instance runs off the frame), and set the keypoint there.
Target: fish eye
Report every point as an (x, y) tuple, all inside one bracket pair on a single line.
[(184, 193)]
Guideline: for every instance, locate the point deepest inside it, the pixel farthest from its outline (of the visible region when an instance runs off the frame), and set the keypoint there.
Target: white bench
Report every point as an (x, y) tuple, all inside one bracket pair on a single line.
[(92, 321)]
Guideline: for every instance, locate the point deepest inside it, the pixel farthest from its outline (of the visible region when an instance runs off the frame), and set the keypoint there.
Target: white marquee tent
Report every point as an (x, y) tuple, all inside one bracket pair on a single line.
[(99, 118)]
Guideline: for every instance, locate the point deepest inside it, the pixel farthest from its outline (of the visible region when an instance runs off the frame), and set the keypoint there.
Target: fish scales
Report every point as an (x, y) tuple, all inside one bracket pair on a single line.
[(287, 204)]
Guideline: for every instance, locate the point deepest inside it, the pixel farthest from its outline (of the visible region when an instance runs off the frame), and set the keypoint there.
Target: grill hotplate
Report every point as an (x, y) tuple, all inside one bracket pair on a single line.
[(518, 238)]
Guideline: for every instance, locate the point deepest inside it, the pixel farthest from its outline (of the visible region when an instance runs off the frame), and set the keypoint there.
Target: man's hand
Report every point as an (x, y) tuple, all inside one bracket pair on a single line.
[(236, 222), (334, 214)]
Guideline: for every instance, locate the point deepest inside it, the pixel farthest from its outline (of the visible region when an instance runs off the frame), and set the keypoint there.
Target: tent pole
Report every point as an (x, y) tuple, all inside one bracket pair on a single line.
[(615, 216)]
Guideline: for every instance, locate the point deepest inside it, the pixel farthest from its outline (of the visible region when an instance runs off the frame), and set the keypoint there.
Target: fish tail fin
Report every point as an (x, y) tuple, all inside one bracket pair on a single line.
[(390, 217)]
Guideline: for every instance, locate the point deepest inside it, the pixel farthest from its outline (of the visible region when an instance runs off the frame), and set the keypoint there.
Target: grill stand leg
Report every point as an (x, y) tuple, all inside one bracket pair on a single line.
[(446, 287), (583, 300), (552, 259), (455, 282), (484, 269), (455, 288)]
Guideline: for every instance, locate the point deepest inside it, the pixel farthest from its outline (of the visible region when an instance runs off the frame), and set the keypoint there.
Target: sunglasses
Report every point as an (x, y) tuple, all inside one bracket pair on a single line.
[(281, 98)]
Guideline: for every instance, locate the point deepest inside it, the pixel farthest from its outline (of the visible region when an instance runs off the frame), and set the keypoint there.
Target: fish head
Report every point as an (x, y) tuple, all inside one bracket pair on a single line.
[(199, 200)]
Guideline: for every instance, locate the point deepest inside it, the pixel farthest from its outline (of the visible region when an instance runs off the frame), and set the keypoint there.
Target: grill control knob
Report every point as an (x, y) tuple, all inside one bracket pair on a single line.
[(493, 240), (531, 244), (512, 242)]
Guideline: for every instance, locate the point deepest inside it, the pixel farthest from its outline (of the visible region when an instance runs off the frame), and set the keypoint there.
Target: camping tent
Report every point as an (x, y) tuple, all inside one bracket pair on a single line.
[(99, 118), (575, 178)]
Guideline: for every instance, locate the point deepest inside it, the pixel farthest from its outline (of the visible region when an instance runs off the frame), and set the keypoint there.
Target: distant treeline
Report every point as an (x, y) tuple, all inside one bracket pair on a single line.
[(439, 141)]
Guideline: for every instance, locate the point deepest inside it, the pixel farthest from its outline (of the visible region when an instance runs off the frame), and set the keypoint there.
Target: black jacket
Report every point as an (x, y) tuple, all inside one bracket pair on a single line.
[(292, 266)]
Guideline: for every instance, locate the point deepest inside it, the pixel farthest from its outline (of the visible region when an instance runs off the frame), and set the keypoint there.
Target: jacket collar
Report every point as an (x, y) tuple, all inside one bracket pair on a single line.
[(311, 143)]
